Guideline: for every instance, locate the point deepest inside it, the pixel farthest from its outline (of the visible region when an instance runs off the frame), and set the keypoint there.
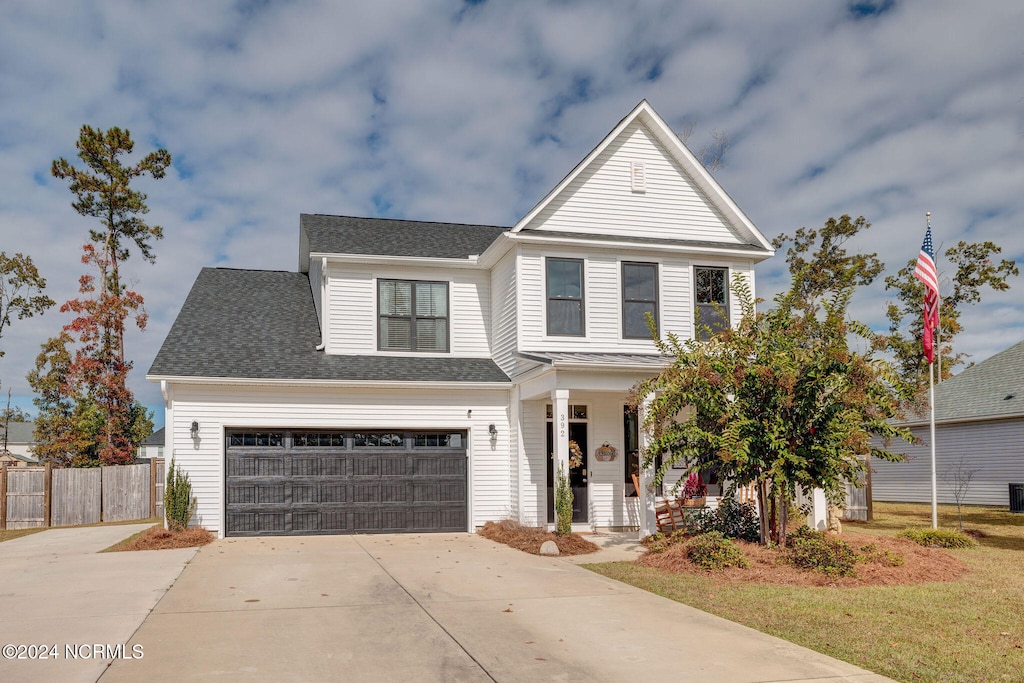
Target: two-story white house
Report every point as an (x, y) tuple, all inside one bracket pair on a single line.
[(415, 376)]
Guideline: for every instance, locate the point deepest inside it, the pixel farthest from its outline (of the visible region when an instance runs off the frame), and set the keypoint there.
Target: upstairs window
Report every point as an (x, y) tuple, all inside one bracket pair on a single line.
[(639, 297), (711, 300), (413, 316), (565, 297)]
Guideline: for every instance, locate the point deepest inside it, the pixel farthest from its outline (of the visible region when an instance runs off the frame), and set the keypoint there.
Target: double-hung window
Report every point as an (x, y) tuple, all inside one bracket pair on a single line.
[(639, 297), (711, 301), (412, 315), (565, 297)]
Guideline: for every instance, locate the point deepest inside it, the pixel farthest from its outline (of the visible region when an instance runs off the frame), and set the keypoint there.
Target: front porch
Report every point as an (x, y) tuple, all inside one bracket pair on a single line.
[(575, 413)]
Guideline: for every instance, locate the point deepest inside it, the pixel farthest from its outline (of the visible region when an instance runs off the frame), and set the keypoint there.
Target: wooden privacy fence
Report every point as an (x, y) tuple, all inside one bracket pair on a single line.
[(47, 496)]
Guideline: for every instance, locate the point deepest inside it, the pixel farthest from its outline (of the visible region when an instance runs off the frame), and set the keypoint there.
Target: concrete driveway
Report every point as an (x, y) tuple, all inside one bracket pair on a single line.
[(437, 608), (57, 589)]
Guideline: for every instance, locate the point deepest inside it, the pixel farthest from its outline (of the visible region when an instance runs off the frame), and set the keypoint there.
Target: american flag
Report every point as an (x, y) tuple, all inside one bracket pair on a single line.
[(925, 272)]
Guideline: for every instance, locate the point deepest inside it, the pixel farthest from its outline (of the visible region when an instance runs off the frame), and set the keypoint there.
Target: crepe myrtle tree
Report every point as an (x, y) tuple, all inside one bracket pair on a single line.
[(780, 402)]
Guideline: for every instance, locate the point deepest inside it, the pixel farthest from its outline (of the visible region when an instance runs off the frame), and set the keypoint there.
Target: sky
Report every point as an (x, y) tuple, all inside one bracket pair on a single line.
[(469, 112)]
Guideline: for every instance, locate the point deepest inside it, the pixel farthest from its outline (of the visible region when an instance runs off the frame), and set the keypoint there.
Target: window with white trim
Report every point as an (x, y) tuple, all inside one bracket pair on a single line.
[(639, 297), (711, 300), (412, 315), (565, 297)]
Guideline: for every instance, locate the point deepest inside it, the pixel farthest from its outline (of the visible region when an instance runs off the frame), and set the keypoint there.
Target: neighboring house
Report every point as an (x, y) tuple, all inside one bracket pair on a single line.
[(416, 376), (20, 440), (979, 418), (153, 446)]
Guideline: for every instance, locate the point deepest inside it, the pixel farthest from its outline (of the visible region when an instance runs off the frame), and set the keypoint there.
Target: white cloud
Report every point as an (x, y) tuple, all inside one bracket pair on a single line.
[(444, 111)]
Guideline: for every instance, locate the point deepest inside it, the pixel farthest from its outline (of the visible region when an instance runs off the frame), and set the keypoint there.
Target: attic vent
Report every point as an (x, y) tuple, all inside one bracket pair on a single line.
[(638, 176)]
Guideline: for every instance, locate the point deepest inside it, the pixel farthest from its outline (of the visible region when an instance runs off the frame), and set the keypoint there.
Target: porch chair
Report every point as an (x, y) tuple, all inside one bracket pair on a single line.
[(668, 512)]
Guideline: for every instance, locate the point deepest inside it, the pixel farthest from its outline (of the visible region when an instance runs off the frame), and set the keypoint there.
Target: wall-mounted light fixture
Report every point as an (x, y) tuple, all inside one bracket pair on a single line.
[(492, 430), (195, 429)]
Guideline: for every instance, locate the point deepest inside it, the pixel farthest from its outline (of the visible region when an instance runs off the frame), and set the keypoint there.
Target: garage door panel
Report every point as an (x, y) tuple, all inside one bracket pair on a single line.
[(333, 492), (318, 483)]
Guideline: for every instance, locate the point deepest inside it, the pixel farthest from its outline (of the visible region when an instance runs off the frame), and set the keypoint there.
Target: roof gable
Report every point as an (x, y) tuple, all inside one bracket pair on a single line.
[(680, 200)]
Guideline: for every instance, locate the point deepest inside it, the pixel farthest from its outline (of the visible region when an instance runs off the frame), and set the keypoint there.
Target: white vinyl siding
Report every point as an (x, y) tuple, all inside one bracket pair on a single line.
[(217, 408), (503, 307), (352, 308), (993, 448), (603, 296), (601, 200)]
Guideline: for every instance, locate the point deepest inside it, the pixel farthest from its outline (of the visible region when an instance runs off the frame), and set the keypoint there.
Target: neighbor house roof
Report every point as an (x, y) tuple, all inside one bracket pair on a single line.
[(389, 237), (992, 389), (262, 325), (155, 439), (19, 432)]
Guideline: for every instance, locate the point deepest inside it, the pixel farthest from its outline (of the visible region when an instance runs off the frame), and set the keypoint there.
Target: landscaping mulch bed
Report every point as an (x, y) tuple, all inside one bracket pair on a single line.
[(920, 565), (158, 538), (529, 539)]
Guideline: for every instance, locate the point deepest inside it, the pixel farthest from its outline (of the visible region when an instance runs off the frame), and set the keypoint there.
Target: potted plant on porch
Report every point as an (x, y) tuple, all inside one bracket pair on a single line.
[(695, 491)]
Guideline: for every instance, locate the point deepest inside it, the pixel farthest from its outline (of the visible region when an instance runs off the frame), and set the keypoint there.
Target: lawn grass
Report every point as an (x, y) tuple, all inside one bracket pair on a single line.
[(8, 534), (966, 630)]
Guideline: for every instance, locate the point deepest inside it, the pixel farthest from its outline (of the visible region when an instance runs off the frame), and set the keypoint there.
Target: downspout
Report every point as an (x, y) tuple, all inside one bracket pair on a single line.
[(163, 390), (323, 304)]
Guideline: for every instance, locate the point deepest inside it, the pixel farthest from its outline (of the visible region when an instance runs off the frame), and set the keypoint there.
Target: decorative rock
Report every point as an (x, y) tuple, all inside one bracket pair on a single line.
[(549, 548)]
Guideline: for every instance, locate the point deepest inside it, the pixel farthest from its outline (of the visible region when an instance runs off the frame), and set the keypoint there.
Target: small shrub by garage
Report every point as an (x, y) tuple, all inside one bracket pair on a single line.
[(817, 550), (938, 538), (713, 551)]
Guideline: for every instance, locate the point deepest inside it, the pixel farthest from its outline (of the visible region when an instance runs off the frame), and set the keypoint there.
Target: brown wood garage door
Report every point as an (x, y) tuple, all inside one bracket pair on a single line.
[(284, 482)]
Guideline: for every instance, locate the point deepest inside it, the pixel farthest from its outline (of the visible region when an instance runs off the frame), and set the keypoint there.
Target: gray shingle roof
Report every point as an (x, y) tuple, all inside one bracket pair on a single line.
[(19, 432), (259, 324), (155, 439), (389, 237), (980, 391)]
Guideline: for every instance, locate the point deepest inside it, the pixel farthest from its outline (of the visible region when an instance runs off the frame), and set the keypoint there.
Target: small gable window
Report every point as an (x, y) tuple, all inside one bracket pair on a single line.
[(565, 297), (639, 297), (413, 316), (711, 301)]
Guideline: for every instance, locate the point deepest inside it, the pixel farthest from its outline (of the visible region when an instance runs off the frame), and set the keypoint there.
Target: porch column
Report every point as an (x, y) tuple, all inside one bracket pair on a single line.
[(647, 522), (560, 425)]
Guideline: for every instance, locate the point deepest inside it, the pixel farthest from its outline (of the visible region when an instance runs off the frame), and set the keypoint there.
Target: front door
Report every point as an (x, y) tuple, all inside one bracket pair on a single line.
[(577, 473)]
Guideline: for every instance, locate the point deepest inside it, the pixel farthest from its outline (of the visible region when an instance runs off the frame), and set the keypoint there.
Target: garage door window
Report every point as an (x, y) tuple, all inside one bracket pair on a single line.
[(438, 440), (257, 439), (377, 440), (318, 439)]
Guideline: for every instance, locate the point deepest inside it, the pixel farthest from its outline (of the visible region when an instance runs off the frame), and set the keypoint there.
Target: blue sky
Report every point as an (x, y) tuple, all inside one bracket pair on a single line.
[(471, 111)]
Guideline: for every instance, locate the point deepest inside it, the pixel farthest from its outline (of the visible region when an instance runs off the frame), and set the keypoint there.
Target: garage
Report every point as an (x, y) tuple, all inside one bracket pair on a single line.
[(303, 482)]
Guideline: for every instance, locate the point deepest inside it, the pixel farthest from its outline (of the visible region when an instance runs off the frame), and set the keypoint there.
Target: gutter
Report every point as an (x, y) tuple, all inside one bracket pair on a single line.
[(323, 304)]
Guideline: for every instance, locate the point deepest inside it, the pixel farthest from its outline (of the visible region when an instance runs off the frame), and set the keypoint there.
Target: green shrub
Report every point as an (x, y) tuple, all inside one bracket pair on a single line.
[(563, 504), (179, 505), (872, 554), (732, 519), (810, 549), (713, 551), (938, 538), (659, 542)]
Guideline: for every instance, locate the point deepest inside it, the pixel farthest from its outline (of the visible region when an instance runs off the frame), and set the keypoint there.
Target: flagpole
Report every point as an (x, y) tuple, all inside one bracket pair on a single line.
[(931, 401), (931, 404)]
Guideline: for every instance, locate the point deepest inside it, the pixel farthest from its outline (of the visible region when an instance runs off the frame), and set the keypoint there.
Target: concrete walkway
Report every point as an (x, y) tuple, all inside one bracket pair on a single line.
[(438, 608), (57, 589)]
